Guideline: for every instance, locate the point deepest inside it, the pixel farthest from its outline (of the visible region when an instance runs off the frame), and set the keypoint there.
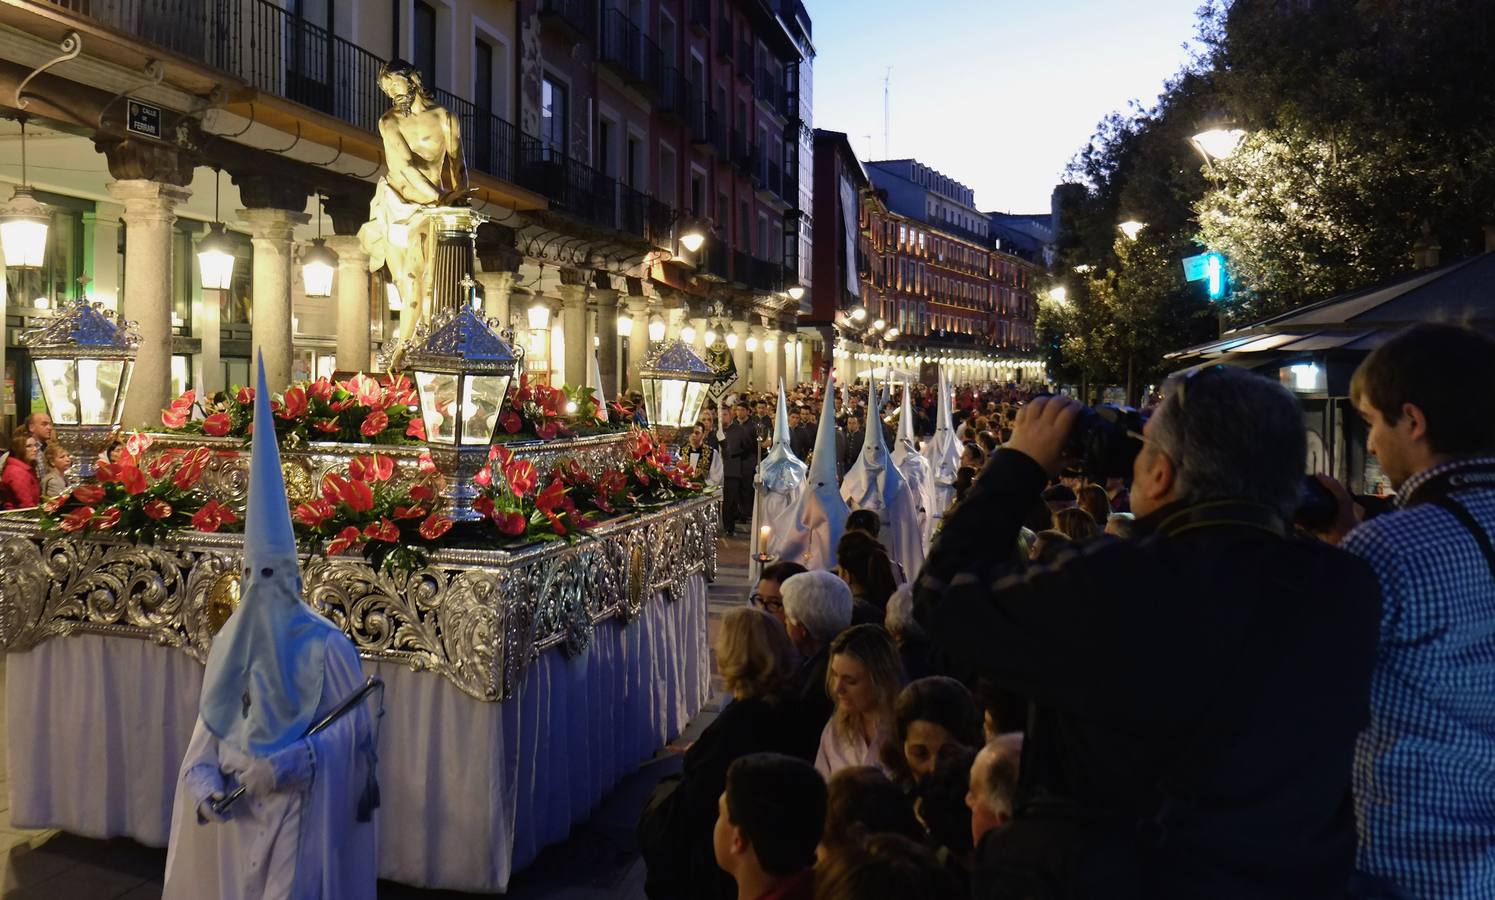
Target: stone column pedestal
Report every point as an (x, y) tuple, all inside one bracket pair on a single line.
[(353, 332), (150, 211)]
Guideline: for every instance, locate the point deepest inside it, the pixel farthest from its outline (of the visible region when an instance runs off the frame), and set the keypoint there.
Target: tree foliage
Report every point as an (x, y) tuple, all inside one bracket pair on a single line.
[(1368, 122)]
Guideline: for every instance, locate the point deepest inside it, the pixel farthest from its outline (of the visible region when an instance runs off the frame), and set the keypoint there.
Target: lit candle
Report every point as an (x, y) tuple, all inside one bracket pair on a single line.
[(763, 535)]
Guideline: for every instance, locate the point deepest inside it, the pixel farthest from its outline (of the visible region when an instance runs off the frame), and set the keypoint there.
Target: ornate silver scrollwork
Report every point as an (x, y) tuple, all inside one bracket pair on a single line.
[(475, 617)]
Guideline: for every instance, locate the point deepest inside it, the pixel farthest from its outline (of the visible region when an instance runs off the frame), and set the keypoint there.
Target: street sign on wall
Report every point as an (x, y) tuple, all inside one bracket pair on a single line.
[(143, 119)]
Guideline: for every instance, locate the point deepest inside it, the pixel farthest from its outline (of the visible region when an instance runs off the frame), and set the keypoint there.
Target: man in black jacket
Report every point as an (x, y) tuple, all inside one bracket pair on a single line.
[(1196, 692), (851, 444), (739, 459)]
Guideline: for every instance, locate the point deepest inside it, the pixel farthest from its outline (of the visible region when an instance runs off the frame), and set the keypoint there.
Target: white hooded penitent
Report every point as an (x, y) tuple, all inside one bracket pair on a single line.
[(808, 532), (874, 483)]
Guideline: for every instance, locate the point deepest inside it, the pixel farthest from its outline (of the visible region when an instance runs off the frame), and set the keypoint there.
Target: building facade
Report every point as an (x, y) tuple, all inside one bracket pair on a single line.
[(595, 136), (921, 278)]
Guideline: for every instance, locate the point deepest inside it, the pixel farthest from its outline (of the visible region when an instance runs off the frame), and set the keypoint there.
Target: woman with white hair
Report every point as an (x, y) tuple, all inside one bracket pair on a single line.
[(817, 607)]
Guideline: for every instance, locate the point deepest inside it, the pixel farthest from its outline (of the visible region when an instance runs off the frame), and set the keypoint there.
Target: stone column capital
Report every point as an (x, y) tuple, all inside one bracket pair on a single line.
[(572, 294), (605, 297), (147, 201), (348, 249), (741, 328), (637, 306), (269, 223)]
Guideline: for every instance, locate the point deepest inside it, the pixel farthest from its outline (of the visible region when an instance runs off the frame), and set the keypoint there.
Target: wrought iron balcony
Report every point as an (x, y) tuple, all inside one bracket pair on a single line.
[(672, 92), (700, 15), (742, 267), (576, 16), (622, 46)]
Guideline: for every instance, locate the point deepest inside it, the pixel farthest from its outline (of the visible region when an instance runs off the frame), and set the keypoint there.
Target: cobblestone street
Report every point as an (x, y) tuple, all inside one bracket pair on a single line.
[(600, 859)]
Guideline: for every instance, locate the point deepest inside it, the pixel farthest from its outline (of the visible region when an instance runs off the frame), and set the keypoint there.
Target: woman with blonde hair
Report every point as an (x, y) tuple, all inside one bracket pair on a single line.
[(757, 662), (864, 679), (57, 459)]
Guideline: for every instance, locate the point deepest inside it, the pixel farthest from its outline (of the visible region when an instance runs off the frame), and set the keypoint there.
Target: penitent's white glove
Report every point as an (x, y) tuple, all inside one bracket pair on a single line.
[(207, 811), (282, 770)]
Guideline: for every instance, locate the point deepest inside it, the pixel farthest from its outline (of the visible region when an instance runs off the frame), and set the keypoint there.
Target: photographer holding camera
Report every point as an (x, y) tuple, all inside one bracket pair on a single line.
[(1196, 692)]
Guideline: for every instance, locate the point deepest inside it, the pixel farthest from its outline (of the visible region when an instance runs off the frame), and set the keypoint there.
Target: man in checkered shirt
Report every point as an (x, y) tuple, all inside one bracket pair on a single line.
[(1425, 766)]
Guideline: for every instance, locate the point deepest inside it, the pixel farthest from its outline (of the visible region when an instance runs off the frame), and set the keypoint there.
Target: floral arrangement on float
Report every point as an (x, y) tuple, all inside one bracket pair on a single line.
[(539, 411), (511, 500), (142, 502), (360, 410), (393, 524)]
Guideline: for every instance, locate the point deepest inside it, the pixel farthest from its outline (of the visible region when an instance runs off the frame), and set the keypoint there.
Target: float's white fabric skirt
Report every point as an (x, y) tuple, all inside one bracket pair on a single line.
[(471, 791)]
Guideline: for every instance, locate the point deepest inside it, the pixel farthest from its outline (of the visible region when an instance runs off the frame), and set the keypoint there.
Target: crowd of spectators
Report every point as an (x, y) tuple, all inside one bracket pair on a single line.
[(1163, 684)]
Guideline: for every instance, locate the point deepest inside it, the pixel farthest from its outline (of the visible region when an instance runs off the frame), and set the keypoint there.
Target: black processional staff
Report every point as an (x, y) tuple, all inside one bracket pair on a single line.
[(370, 800)]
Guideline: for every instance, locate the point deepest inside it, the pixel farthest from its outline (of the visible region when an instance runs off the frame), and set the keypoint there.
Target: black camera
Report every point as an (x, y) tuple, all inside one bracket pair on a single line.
[(1318, 509), (1102, 442)]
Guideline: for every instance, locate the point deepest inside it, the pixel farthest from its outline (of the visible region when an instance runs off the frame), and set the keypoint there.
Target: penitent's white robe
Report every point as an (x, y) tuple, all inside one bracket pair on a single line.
[(297, 844)]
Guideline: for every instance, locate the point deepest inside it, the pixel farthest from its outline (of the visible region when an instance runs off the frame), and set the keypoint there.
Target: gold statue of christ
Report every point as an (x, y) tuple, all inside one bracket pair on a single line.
[(426, 169)]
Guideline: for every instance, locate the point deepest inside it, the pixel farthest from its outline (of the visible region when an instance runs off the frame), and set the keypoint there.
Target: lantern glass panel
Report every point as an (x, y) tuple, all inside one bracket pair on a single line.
[(217, 269), (59, 384), (483, 399), (438, 405), (98, 389), (316, 277), (24, 241)]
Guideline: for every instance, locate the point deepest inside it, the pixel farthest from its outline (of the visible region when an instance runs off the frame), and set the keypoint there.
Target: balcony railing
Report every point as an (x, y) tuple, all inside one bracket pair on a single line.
[(578, 16), (700, 15), (715, 262), (742, 267), (767, 275), (286, 56), (622, 45), (672, 92)]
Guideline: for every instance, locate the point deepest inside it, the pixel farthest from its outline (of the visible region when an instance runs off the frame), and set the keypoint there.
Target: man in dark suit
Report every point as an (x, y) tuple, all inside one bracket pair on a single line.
[(852, 443), (802, 434), (739, 461)]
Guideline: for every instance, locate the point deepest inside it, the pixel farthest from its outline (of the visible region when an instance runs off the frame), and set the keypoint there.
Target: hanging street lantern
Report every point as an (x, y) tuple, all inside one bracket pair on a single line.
[(674, 381), (83, 357), (24, 222), (318, 263), (462, 368), (215, 252)]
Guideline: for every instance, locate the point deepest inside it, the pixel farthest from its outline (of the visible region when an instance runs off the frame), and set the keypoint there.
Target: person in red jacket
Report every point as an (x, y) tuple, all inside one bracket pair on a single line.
[(19, 488)]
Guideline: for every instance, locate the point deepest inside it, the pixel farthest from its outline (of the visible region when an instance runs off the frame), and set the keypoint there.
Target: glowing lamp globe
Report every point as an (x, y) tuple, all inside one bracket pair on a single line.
[(318, 264), (215, 259), (23, 230)]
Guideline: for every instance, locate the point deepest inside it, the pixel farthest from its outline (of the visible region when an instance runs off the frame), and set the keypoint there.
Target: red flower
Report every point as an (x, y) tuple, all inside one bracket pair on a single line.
[(345, 403), (416, 429), (192, 468), (373, 468), (483, 505), (420, 493), (374, 423), (509, 523), (327, 426), (383, 530), (366, 390), (546, 430), (108, 520), (244, 396), (217, 425), (402, 392), (356, 494), (158, 467), (434, 527), (521, 476), (348, 537), (294, 405), (75, 520), (321, 389), (409, 512), (132, 479), (54, 504), (173, 418), (88, 494), (511, 422), (314, 513), (137, 443), (427, 464), (484, 478), (553, 495), (157, 509), (213, 515)]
